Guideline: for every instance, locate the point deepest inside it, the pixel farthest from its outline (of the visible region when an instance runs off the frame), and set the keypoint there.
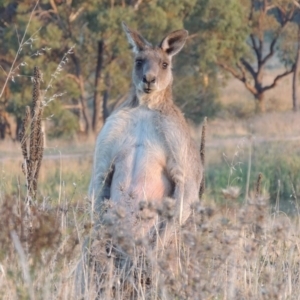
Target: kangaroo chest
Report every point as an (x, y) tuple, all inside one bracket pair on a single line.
[(140, 159), (142, 134)]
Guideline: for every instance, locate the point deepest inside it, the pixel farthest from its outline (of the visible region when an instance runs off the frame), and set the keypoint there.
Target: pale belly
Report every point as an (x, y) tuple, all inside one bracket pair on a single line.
[(140, 164), (139, 175)]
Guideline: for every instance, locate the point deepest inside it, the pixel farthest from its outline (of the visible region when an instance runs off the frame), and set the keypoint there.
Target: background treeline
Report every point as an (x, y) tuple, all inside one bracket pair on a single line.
[(83, 54)]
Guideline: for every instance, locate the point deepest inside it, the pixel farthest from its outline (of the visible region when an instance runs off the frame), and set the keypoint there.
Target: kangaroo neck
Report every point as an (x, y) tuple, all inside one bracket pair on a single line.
[(155, 99)]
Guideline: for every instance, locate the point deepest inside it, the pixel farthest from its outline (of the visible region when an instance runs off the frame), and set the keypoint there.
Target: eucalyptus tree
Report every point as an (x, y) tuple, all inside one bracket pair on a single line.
[(30, 37), (83, 54), (242, 37)]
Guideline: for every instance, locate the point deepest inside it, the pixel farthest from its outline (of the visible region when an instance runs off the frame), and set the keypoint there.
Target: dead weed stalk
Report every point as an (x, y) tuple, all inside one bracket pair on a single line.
[(32, 138)]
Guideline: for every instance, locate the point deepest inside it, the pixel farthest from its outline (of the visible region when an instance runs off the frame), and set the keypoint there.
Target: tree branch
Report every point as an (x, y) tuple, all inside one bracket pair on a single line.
[(137, 4), (192, 36), (271, 51), (241, 77), (231, 70), (75, 78), (261, 18), (277, 78), (274, 41), (54, 7), (248, 67), (73, 16), (5, 60), (255, 48), (296, 3)]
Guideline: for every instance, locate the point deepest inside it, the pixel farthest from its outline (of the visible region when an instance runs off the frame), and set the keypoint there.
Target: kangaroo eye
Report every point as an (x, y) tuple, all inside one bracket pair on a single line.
[(164, 65), (138, 62)]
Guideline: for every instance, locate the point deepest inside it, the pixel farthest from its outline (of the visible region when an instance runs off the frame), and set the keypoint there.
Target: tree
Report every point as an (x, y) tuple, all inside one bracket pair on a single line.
[(289, 50), (296, 72), (296, 20), (47, 29), (243, 36), (94, 76), (154, 19)]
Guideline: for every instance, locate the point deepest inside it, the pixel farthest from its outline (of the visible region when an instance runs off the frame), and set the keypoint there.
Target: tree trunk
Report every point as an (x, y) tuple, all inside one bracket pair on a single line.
[(18, 127), (97, 102), (296, 74), (82, 98), (84, 108), (105, 112), (4, 125), (260, 103)]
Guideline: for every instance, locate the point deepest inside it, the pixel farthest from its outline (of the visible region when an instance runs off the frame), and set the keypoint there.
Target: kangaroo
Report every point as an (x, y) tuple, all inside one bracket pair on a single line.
[(144, 151), (144, 154)]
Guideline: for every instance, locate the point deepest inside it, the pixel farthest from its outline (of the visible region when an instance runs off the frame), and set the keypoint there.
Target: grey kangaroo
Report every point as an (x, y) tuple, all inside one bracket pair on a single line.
[(145, 152)]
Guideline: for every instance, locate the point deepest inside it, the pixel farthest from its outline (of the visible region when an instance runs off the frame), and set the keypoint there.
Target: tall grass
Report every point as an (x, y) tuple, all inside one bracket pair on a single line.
[(233, 251), (277, 161), (229, 249)]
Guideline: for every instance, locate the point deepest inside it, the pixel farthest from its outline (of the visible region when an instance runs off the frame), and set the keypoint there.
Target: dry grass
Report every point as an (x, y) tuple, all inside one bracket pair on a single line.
[(61, 175), (225, 252), (228, 251)]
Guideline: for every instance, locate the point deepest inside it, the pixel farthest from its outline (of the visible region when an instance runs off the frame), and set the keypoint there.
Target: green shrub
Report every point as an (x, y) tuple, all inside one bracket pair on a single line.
[(63, 122), (281, 174)]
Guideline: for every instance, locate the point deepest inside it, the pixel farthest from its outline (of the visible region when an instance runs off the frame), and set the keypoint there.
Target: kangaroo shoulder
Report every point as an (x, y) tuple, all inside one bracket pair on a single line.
[(115, 125), (173, 117)]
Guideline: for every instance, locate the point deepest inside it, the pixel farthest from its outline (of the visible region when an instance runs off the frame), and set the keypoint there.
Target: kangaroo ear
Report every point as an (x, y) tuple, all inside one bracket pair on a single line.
[(174, 42), (137, 42)]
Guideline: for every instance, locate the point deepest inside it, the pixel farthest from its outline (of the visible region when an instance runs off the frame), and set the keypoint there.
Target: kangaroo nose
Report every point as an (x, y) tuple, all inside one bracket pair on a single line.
[(149, 79)]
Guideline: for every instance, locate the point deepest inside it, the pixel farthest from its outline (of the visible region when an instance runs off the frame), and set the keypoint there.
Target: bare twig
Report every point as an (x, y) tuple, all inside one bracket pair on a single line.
[(202, 157)]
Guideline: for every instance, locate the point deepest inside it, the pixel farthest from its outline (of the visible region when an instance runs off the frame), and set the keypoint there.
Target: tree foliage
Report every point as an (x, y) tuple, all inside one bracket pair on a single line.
[(85, 59), (246, 35), (96, 75)]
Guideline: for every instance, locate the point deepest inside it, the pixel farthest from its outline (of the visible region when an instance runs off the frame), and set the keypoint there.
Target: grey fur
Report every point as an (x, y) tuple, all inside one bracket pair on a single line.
[(144, 152)]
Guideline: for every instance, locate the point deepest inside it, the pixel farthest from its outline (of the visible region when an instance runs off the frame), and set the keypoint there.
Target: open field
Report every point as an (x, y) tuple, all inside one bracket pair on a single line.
[(273, 139), (235, 247)]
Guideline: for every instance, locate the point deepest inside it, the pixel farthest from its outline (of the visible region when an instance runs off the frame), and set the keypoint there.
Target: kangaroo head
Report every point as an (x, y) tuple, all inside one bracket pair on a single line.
[(152, 70)]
